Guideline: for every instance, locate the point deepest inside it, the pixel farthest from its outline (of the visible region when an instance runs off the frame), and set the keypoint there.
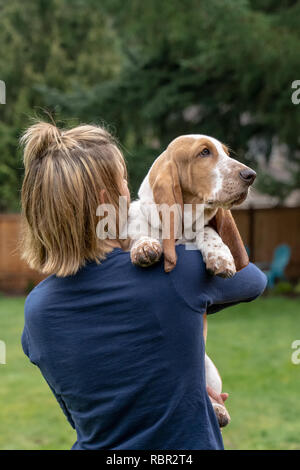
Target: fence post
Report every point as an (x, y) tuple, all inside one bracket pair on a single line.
[(252, 233)]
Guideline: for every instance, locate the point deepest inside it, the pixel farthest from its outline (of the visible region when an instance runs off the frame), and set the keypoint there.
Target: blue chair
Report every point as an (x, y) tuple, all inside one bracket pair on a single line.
[(281, 257)]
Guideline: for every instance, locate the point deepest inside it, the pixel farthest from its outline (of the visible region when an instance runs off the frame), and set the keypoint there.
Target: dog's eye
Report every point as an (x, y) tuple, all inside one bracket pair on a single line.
[(204, 152)]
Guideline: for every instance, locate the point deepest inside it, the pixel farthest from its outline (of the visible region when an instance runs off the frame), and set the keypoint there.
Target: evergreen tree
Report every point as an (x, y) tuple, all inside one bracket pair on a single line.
[(60, 44), (152, 71)]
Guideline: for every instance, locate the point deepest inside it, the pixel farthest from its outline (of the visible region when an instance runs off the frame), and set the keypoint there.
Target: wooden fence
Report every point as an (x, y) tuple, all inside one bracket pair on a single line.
[(261, 229), (15, 276)]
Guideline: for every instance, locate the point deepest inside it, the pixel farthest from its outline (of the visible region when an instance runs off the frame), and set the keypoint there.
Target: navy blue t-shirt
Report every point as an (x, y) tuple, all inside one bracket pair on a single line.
[(122, 349)]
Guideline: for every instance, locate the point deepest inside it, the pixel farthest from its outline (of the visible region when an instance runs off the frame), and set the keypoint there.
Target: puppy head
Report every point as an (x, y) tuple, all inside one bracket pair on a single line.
[(207, 173), (197, 169)]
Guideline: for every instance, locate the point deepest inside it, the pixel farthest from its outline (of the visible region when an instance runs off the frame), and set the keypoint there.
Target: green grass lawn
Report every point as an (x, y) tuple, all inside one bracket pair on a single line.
[(250, 344)]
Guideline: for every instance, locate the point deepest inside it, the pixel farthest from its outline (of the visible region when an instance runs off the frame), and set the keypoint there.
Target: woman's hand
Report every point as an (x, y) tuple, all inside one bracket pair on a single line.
[(218, 405)]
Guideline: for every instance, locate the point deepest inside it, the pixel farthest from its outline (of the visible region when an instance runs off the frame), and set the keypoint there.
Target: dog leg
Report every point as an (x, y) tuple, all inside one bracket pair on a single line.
[(214, 381), (216, 254), (145, 251)]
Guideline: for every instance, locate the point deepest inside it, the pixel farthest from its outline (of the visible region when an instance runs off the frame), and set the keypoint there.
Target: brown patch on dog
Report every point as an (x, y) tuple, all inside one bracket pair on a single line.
[(225, 226), (194, 169), (189, 172), (165, 183)]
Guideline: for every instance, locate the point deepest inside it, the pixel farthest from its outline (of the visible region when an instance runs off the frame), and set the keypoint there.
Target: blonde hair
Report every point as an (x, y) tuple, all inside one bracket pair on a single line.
[(65, 171)]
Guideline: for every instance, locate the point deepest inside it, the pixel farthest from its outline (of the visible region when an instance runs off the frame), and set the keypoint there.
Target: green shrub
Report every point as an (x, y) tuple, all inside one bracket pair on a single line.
[(297, 288), (283, 287)]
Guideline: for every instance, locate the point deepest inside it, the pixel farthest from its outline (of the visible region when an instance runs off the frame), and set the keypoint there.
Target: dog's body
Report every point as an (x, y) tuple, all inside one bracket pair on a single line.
[(194, 170)]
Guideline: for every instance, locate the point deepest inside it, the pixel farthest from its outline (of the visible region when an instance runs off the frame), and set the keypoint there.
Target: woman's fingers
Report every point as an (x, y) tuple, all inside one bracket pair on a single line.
[(219, 398), (218, 406), (214, 395)]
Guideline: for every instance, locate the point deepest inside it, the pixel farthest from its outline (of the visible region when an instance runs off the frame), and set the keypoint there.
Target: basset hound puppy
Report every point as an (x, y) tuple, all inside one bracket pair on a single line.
[(195, 171)]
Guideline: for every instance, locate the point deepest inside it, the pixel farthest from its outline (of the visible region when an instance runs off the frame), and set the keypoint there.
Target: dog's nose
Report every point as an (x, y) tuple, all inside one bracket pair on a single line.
[(248, 175)]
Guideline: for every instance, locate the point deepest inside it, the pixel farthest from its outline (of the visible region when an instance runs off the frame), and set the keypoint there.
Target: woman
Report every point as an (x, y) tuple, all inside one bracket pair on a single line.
[(121, 347)]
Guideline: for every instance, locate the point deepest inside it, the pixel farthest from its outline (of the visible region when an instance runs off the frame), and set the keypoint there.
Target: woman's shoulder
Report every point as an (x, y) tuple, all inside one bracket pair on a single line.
[(190, 277), (56, 291), (190, 262), (39, 296)]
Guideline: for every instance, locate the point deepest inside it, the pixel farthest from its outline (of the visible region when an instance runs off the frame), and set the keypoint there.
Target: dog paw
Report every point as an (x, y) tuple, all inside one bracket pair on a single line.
[(220, 264), (145, 252), (222, 414)]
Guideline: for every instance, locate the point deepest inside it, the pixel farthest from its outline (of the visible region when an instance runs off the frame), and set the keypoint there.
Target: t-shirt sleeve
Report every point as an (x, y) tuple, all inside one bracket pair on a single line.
[(205, 292)]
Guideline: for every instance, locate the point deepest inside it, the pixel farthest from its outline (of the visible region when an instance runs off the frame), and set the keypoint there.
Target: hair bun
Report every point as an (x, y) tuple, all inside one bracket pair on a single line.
[(37, 139)]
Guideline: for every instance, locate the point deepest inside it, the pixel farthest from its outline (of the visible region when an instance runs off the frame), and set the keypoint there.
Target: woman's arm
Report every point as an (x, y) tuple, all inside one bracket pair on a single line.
[(205, 292), (246, 285)]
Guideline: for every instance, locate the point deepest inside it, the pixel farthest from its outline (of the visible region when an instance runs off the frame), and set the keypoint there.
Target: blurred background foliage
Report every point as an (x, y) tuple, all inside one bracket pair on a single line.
[(151, 71)]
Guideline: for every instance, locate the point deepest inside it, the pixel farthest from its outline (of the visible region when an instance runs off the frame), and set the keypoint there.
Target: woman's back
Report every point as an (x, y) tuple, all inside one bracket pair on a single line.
[(122, 349)]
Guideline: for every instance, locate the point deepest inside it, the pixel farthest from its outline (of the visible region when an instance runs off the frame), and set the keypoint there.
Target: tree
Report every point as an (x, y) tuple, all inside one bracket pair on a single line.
[(155, 70), (45, 43), (219, 68)]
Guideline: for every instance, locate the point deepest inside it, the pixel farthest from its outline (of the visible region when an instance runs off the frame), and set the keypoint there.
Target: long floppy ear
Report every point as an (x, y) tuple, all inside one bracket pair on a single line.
[(224, 224), (166, 188)]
